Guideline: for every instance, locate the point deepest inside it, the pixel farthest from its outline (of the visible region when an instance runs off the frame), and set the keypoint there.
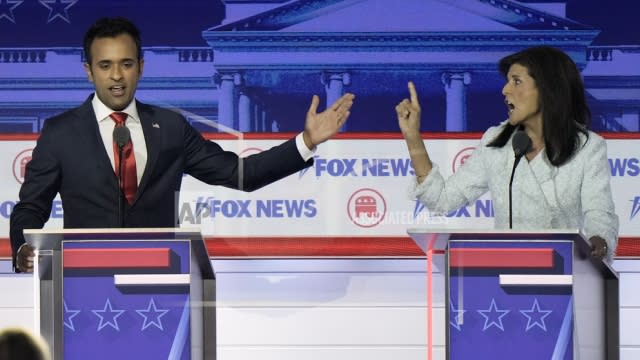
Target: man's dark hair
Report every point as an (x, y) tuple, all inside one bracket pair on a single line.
[(109, 28), (561, 99)]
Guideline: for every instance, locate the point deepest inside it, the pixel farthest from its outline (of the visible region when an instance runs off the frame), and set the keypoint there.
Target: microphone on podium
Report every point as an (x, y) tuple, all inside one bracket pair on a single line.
[(521, 145), (121, 136)]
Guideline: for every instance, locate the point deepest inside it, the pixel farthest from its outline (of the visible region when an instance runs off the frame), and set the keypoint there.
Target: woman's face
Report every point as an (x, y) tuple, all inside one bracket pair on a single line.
[(521, 96)]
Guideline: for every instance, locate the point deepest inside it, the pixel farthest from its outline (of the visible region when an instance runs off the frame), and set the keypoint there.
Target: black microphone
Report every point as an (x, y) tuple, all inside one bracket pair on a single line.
[(121, 136), (521, 145)]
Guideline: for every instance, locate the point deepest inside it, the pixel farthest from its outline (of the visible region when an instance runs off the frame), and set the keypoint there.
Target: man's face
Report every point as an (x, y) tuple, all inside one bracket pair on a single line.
[(115, 70)]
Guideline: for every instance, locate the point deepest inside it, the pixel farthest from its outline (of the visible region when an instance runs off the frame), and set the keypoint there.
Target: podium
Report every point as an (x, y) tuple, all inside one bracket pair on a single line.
[(523, 295), (124, 293)]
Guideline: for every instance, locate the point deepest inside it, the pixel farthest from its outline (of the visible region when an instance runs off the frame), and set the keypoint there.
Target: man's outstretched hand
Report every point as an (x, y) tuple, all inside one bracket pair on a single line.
[(319, 127)]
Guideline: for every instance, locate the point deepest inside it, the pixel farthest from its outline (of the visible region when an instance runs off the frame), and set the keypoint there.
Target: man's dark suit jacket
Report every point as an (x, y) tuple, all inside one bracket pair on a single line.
[(70, 158)]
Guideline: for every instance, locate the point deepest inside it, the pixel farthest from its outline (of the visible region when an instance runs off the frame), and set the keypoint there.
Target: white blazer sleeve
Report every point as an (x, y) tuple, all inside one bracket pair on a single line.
[(598, 210), (466, 185)]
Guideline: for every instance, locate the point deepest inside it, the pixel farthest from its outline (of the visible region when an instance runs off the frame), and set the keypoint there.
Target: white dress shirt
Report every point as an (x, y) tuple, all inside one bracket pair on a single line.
[(106, 125)]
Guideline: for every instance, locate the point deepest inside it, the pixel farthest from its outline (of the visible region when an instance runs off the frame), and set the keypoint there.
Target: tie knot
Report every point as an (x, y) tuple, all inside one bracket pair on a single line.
[(119, 117)]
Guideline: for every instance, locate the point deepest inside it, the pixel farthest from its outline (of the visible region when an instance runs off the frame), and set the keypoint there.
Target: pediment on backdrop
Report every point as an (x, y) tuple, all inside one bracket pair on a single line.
[(412, 16)]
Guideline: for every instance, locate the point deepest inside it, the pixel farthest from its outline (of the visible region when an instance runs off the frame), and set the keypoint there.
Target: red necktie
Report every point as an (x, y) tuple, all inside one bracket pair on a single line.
[(129, 179)]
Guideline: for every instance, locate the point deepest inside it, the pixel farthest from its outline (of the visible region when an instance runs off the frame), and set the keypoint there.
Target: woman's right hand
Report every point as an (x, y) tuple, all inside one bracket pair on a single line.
[(408, 111), (409, 120)]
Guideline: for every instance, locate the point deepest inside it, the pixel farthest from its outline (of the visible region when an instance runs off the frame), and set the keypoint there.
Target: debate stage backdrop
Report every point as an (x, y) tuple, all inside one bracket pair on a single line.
[(242, 66)]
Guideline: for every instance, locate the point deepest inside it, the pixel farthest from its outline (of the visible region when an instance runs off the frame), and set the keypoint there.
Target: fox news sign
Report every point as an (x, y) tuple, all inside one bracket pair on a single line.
[(356, 187)]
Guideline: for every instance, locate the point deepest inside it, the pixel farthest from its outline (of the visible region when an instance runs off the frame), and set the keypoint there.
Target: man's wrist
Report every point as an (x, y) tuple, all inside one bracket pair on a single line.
[(305, 152), (307, 140)]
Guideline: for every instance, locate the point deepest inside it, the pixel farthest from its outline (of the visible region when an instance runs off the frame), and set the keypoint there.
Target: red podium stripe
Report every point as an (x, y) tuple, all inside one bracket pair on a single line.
[(136, 258), (5, 248), (501, 258), (259, 246), (628, 247)]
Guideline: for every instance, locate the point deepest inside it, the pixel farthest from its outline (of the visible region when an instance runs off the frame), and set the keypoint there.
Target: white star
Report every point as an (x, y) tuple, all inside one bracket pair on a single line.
[(68, 322), (58, 8), (7, 7), (153, 313), (109, 314), (536, 315), (456, 316), (495, 320)]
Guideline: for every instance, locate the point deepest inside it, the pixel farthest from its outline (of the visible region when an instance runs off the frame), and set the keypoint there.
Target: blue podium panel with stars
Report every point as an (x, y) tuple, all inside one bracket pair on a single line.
[(124, 293), (510, 299), (126, 299)]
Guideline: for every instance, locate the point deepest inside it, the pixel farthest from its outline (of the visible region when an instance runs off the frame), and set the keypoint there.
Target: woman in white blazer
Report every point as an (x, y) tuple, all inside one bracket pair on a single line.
[(564, 182)]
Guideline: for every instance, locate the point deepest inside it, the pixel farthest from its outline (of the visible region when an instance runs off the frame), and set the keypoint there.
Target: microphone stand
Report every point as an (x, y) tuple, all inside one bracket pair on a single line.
[(521, 143), (121, 137), (513, 171), (121, 206)]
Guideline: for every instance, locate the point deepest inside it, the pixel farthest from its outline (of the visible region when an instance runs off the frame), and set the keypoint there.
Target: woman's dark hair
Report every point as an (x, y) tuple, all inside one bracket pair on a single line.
[(109, 28), (561, 99)]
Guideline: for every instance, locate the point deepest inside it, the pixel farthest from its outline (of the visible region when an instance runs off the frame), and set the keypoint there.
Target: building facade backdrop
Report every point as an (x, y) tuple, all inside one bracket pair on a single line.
[(252, 66)]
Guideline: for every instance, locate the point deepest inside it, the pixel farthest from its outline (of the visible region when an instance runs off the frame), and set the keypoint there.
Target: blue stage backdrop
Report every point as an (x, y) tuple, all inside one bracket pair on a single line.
[(253, 65), (54, 23)]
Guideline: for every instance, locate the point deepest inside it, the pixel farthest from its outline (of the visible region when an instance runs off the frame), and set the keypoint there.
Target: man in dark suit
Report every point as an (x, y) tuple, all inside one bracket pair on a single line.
[(76, 155)]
